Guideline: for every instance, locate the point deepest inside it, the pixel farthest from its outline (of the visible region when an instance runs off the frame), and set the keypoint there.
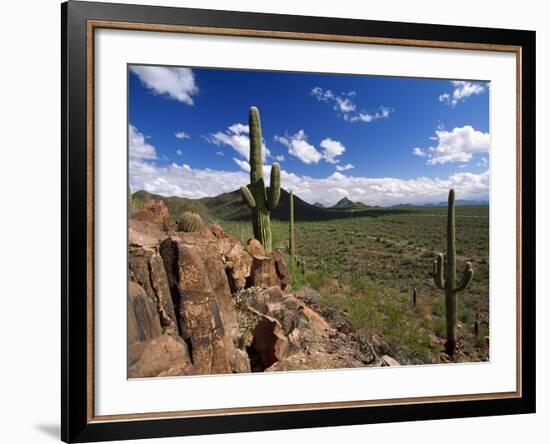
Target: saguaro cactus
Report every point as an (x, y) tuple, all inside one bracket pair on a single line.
[(255, 195), (445, 279), (291, 241)]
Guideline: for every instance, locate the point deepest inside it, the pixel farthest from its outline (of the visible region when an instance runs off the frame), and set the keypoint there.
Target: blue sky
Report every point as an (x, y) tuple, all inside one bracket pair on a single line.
[(380, 140)]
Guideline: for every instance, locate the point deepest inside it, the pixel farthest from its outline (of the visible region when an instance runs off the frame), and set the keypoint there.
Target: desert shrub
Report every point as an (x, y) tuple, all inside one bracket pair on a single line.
[(438, 306), (298, 279), (439, 327), (315, 279)]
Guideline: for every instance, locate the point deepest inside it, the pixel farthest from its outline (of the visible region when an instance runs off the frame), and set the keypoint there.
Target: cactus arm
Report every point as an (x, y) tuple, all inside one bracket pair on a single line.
[(438, 272), (248, 198), (467, 277), (274, 191)]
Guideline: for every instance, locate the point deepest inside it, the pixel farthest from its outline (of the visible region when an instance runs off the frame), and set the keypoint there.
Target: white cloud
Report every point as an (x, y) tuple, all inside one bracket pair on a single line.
[(184, 181), (383, 113), (236, 136), (239, 128), (179, 152), (346, 167), (458, 145), (299, 147), (220, 153), (419, 152), (279, 158), (137, 147), (461, 91), (332, 149), (243, 164), (182, 135), (346, 107), (176, 83)]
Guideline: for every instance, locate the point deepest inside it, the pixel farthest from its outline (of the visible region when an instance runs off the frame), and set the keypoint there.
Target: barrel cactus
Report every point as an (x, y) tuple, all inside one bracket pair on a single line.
[(190, 222), (445, 277), (255, 195)]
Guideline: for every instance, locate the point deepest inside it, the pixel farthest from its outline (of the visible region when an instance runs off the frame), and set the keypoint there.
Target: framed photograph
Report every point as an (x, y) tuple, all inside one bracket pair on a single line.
[(275, 221)]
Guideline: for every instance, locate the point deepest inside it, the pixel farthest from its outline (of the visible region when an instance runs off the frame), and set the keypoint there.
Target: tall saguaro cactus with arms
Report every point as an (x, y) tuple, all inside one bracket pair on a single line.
[(255, 195), (445, 277)]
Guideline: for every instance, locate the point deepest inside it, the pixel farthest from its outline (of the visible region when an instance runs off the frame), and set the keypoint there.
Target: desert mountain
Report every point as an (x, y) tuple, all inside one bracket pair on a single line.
[(349, 205)]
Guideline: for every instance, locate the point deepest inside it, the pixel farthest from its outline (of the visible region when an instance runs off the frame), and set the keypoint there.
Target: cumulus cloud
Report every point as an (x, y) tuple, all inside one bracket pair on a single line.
[(175, 83), (184, 181), (279, 158), (461, 91), (179, 152), (299, 147), (346, 167), (419, 152), (182, 135), (382, 113), (457, 145), (147, 173), (332, 149), (346, 107), (243, 164), (236, 136), (137, 147)]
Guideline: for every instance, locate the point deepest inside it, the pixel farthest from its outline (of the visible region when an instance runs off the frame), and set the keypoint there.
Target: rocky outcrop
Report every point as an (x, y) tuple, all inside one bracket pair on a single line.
[(201, 303), (207, 318), (143, 320), (280, 332), (154, 212), (165, 355)]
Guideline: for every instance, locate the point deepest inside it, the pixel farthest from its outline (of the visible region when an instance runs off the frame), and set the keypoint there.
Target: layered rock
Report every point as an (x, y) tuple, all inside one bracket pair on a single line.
[(166, 355), (282, 333), (207, 318), (201, 303)]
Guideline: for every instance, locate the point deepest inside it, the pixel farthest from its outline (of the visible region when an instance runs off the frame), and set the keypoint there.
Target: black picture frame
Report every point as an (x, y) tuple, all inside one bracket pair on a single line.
[(76, 423)]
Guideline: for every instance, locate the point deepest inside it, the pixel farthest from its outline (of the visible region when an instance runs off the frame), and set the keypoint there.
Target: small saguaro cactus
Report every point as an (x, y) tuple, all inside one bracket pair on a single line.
[(255, 195), (445, 277), (190, 222), (291, 241), (414, 296)]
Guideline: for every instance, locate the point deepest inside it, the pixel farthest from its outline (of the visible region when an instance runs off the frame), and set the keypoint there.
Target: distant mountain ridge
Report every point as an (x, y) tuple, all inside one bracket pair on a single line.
[(459, 202), (346, 204), (229, 206)]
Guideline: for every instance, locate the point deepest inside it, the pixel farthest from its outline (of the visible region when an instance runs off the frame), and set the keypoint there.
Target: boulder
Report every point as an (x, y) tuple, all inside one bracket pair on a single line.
[(284, 325), (207, 317), (217, 231), (146, 268), (238, 264), (143, 318), (388, 361), (255, 248), (263, 272), (165, 355), (155, 212)]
